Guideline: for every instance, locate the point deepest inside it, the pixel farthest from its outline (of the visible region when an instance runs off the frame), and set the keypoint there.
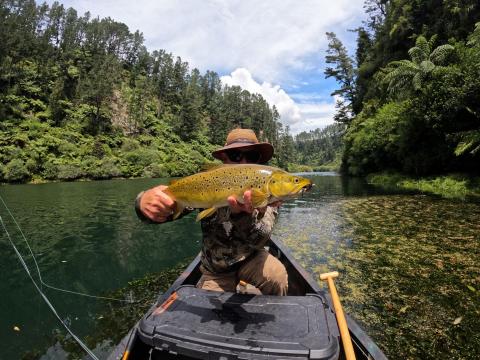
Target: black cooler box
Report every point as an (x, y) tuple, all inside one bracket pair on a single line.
[(200, 324)]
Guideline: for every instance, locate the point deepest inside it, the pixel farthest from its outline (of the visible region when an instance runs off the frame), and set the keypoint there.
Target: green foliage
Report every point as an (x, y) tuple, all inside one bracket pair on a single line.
[(445, 187), (455, 186), (155, 171), (405, 74), (343, 72), (320, 146), (295, 168), (469, 143), (419, 103), (104, 169), (373, 143), (69, 172), (15, 171)]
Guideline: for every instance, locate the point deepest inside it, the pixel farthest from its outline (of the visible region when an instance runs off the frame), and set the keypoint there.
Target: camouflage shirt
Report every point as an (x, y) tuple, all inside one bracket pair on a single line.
[(230, 238)]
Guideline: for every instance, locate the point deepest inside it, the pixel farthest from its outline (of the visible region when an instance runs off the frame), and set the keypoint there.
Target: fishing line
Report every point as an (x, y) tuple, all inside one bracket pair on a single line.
[(75, 337), (42, 283)]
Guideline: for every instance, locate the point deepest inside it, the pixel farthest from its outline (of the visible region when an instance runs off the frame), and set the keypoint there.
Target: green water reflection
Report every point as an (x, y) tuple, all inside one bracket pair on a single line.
[(408, 262)]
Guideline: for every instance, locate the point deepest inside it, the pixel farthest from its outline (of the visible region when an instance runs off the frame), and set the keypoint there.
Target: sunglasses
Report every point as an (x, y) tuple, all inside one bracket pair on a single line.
[(237, 156)]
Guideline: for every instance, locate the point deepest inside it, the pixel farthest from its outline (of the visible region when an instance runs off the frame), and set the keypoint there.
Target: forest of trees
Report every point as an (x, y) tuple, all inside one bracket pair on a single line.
[(320, 146), (81, 97), (410, 98)]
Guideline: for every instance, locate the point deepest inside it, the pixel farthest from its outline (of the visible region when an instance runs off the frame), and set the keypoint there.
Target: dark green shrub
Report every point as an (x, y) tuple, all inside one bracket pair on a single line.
[(69, 172), (50, 170), (155, 171), (134, 162), (373, 143), (32, 166), (130, 145), (105, 169), (16, 171)]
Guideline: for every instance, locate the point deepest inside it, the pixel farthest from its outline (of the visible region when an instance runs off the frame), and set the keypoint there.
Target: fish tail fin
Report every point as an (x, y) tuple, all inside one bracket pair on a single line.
[(206, 213), (259, 198)]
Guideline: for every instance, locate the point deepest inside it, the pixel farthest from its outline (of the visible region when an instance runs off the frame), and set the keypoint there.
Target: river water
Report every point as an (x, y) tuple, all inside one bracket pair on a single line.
[(409, 262)]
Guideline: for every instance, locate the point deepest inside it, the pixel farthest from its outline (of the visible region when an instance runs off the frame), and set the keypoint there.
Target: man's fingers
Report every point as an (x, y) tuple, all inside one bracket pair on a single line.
[(154, 216), (235, 206), (159, 209), (232, 201), (164, 198), (247, 201)]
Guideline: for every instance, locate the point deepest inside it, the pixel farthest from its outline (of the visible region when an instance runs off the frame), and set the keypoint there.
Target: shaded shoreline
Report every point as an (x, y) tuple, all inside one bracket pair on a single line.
[(449, 186)]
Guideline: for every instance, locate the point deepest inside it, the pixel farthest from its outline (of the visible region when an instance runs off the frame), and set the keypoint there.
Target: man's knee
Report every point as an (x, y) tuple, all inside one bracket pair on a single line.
[(218, 282), (275, 278), (267, 273)]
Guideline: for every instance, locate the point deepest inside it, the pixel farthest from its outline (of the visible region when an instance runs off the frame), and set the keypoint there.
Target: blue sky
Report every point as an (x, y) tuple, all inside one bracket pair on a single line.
[(276, 48)]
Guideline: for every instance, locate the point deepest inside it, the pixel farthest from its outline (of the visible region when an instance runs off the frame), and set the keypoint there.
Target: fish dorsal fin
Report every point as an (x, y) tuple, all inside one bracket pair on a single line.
[(211, 166), (173, 181), (206, 213)]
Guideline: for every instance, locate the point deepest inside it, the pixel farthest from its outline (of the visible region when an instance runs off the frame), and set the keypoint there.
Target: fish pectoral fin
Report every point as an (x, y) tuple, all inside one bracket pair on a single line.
[(259, 198), (206, 213), (178, 211)]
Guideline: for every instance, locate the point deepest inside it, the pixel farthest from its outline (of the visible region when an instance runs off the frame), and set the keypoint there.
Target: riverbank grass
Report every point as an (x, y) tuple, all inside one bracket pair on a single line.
[(453, 186)]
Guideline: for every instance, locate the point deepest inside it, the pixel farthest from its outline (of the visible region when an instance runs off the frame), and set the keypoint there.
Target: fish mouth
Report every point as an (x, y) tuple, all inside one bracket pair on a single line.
[(302, 188), (306, 188)]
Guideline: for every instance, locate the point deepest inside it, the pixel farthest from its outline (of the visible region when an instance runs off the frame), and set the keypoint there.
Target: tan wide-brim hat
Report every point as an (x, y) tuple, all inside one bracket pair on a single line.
[(245, 139)]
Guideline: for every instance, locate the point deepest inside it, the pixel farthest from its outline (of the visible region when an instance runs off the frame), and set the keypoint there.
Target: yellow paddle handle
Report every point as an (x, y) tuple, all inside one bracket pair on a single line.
[(342, 322)]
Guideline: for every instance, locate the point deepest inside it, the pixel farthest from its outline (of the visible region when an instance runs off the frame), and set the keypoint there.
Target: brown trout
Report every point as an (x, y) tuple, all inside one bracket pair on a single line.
[(210, 189)]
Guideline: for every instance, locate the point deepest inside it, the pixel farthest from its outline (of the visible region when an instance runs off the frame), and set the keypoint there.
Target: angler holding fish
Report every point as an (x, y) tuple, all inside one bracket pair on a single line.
[(240, 201)]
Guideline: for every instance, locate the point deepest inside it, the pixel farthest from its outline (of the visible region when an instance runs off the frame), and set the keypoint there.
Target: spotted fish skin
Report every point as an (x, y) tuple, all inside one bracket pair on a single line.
[(210, 189)]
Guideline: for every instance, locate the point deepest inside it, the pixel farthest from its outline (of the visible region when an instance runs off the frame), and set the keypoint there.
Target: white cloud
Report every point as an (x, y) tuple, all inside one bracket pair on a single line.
[(315, 115), (273, 94), (299, 116)]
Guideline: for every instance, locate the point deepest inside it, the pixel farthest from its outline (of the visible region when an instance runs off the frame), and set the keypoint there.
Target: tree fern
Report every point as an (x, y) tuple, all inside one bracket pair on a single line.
[(431, 42), (403, 75), (417, 54), (440, 54), (470, 143), (423, 45)]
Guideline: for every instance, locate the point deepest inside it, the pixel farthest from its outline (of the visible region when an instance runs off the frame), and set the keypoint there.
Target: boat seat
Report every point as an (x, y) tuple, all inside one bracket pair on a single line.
[(201, 324)]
